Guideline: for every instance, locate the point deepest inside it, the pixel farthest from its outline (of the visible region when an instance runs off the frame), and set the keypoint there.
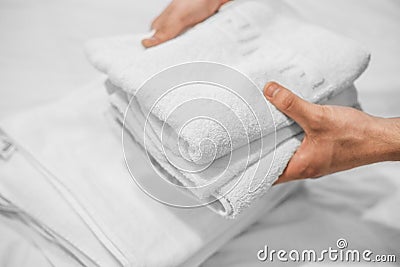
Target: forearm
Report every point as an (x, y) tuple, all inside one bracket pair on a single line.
[(390, 139), (336, 138), (360, 139)]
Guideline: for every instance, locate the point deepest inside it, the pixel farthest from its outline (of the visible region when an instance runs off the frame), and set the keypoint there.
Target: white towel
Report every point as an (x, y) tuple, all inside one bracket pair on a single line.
[(227, 197), (265, 41), (79, 204)]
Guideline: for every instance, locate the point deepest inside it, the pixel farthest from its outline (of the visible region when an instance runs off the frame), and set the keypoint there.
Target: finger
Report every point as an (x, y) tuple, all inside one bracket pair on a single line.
[(169, 29), (162, 18), (296, 164), (223, 2), (156, 24), (289, 174), (162, 35), (302, 165), (282, 179), (292, 171), (290, 104), (152, 41)]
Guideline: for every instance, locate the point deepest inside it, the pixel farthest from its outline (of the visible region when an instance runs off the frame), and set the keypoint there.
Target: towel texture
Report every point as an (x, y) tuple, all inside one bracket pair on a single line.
[(220, 143), (67, 153), (229, 196)]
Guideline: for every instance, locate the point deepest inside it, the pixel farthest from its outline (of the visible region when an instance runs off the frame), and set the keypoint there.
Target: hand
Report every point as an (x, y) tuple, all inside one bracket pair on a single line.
[(179, 16), (336, 138)]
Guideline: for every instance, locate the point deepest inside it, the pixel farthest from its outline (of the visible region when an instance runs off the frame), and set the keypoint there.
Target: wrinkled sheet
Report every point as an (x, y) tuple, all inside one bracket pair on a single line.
[(41, 47)]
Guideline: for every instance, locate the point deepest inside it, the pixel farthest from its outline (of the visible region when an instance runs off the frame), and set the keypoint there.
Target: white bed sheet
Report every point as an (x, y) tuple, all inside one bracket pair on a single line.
[(41, 60)]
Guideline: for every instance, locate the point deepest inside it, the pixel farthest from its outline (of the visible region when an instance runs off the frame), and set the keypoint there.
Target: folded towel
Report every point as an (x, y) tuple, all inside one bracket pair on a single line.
[(67, 153), (226, 200), (264, 41)]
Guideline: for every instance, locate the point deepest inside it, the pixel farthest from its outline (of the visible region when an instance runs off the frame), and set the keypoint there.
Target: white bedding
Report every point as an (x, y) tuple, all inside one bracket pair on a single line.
[(41, 47)]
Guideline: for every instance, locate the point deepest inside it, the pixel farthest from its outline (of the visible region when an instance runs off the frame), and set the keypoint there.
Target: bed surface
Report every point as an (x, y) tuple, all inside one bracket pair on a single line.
[(41, 60)]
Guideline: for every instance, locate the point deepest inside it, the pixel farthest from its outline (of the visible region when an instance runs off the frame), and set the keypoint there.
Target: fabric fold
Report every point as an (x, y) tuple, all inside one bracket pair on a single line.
[(222, 196), (111, 221), (225, 139)]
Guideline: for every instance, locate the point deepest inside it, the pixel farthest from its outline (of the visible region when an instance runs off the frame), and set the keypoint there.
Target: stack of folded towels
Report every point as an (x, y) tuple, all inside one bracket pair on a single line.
[(66, 153), (225, 147)]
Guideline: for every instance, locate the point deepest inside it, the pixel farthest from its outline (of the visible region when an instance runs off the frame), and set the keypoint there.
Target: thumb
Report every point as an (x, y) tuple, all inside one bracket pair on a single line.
[(290, 104)]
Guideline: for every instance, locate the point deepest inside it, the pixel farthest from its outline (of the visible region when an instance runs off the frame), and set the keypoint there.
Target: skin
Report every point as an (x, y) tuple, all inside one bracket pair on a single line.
[(336, 138), (178, 17)]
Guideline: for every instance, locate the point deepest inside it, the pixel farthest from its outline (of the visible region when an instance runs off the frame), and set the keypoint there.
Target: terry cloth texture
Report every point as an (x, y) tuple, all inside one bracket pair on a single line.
[(263, 40)]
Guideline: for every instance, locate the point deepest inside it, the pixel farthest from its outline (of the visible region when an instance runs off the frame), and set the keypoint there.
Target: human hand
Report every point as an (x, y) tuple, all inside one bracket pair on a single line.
[(336, 138), (179, 16)]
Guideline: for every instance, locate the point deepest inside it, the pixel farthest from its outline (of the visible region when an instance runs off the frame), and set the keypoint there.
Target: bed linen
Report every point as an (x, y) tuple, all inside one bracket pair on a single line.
[(58, 56)]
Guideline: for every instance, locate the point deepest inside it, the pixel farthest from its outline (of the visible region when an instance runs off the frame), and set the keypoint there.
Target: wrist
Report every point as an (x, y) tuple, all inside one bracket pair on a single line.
[(388, 136), (394, 139)]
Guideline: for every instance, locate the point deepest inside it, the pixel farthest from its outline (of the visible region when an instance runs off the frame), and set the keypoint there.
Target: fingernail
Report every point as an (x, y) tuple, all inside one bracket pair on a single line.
[(271, 89), (149, 41)]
